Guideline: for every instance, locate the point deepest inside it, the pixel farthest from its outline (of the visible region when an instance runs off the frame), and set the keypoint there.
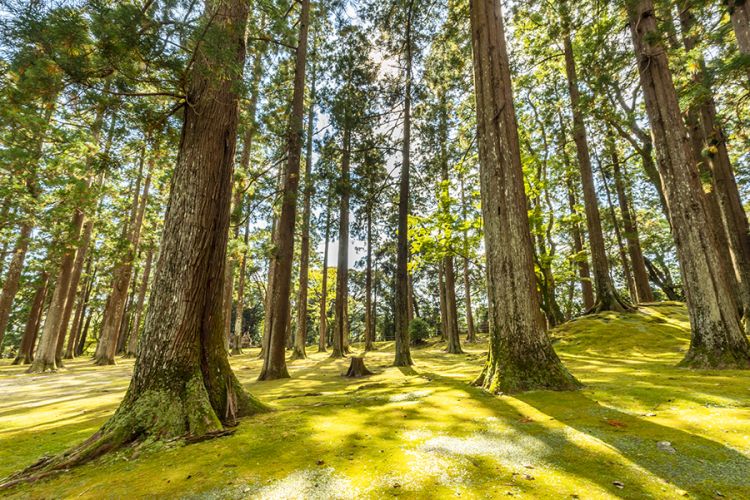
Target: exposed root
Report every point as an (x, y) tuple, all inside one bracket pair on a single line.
[(154, 415), (701, 358)]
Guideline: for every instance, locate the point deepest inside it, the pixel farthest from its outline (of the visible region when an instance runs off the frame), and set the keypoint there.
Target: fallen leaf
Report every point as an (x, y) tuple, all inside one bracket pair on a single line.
[(616, 423)]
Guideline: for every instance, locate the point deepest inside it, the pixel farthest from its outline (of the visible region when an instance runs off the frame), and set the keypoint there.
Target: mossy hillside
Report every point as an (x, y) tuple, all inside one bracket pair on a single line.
[(421, 432)]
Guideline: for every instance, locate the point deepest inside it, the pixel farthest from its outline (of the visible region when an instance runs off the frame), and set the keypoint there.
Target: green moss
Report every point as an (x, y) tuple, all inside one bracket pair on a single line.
[(421, 433)]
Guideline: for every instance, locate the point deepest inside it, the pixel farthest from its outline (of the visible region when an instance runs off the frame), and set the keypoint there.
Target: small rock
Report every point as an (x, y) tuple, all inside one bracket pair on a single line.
[(718, 493), (528, 477), (618, 484), (666, 446), (320, 462), (396, 485)]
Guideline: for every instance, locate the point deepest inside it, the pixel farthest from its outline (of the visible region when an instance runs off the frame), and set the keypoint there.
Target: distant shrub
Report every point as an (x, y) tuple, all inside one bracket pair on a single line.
[(419, 331)]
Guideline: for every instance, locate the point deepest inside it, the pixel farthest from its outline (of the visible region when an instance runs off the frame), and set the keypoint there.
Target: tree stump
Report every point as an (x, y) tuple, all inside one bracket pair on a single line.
[(357, 368)]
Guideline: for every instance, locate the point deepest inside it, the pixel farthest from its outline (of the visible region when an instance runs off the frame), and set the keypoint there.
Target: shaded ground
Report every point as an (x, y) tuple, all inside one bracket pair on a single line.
[(641, 428)]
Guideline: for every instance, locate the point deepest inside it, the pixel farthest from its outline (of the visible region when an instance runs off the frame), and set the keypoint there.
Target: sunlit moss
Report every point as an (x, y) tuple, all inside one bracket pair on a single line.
[(421, 433)]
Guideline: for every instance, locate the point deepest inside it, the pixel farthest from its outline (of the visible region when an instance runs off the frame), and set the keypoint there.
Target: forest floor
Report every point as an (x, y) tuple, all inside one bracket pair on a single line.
[(640, 428)]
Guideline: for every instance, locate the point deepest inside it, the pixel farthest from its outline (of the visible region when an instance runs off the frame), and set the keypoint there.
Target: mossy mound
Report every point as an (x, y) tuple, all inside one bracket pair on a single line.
[(420, 432)]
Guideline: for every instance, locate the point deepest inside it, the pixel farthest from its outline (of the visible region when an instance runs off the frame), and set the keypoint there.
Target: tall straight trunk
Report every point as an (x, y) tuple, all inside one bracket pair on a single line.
[(626, 270), (78, 265), (135, 328), (520, 353), (83, 322), (300, 338), (182, 383), (26, 351), (470, 332), (323, 321), (587, 289), (443, 313), (607, 298), (13, 279), (643, 291), (451, 310), (237, 336), (45, 360), (369, 324), (717, 340), (341, 326), (274, 361), (122, 276), (403, 293), (709, 137)]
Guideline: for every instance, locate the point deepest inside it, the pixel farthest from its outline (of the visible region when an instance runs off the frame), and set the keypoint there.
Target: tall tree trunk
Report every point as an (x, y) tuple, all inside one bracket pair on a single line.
[(13, 279), (587, 290), (323, 331), (341, 326), (26, 351), (182, 383), (84, 321), (274, 361), (626, 271), (300, 338), (403, 293), (443, 312), (451, 310), (369, 317), (607, 298), (122, 276), (470, 331), (78, 265), (135, 328), (709, 138), (643, 291), (717, 340), (45, 360), (520, 353)]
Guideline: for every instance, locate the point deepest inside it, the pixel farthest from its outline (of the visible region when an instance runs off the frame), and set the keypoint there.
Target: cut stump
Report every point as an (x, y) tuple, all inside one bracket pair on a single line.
[(357, 368)]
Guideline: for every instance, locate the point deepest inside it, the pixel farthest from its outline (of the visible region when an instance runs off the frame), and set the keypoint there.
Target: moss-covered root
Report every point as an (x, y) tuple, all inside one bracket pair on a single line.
[(154, 415), (509, 379)]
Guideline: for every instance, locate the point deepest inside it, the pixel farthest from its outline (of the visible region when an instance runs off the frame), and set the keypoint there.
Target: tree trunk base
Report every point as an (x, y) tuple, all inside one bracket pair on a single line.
[(104, 361), (42, 367), (155, 415), (611, 302), (337, 354), (510, 380), (357, 368), (369, 347), (274, 374), (403, 359), (236, 351), (298, 354), (702, 358)]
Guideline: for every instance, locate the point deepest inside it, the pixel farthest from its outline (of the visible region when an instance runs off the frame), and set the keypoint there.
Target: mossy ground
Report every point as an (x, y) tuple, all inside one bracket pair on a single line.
[(420, 432)]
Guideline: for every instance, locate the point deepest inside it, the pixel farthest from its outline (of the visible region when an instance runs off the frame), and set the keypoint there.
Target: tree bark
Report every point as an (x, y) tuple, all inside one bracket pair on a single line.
[(300, 338), (182, 383), (403, 294), (712, 154), (26, 351), (274, 361), (135, 328), (520, 353), (369, 317), (717, 340), (470, 331), (341, 326), (643, 291), (323, 332), (739, 13), (607, 298), (13, 279), (122, 276)]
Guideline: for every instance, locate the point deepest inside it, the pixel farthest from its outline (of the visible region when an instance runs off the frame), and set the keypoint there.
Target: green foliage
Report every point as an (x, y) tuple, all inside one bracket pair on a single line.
[(419, 331)]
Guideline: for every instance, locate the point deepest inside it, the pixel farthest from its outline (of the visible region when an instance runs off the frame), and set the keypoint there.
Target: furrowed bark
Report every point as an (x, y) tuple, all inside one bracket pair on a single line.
[(717, 340), (520, 353)]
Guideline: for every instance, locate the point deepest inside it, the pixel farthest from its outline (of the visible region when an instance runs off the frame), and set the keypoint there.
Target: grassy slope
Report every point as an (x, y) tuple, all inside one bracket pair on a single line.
[(422, 433)]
